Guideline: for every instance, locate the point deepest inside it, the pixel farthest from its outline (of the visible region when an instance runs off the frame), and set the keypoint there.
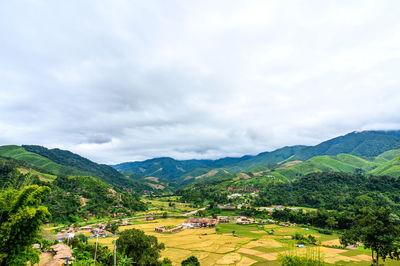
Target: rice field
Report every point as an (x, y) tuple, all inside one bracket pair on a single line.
[(249, 245)]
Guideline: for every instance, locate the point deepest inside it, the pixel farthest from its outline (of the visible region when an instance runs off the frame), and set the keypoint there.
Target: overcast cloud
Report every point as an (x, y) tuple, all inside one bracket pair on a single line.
[(129, 80)]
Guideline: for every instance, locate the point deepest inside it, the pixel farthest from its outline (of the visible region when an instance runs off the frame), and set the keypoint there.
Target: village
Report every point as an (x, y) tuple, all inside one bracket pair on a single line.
[(222, 239)]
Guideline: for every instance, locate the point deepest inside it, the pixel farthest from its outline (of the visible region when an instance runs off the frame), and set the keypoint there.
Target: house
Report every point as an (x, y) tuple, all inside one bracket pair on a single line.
[(188, 225), (235, 195), (244, 220), (223, 219), (62, 237), (149, 218), (200, 223)]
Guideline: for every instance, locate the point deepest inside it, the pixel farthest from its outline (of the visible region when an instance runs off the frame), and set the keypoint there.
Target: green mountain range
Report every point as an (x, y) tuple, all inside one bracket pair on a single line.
[(364, 151), (81, 187)]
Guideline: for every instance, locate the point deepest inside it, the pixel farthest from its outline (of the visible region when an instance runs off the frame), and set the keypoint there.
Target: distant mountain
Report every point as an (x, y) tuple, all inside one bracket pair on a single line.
[(365, 144), (177, 171), (61, 162)]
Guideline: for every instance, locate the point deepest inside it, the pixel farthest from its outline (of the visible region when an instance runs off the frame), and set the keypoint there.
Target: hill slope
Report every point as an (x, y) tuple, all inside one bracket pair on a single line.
[(60, 162), (71, 198), (358, 144)]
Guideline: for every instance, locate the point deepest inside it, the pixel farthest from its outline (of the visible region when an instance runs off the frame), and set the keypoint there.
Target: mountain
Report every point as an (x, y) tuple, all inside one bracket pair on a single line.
[(365, 143), (178, 171), (72, 198), (61, 162), (69, 159), (360, 145)]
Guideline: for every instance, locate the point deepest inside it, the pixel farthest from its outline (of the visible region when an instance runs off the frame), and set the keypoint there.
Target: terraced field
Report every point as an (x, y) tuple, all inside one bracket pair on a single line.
[(251, 245)]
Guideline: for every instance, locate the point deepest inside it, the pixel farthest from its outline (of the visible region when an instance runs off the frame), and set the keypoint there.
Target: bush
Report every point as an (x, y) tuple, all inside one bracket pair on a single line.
[(191, 261), (295, 260), (324, 231)]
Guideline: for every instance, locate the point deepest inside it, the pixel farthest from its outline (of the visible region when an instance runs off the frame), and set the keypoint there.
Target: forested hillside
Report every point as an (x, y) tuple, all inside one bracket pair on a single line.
[(60, 162), (334, 191), (71, 197), (354, 152)]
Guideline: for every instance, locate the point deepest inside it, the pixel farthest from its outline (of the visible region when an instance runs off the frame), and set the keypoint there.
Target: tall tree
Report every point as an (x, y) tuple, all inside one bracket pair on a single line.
[(143, 249), (377, 229), (20, 219)]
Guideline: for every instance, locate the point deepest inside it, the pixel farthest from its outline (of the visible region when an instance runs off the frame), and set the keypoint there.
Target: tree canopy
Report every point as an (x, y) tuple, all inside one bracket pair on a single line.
[(191, 261), (141, 248), (20, 219), (378, 229)]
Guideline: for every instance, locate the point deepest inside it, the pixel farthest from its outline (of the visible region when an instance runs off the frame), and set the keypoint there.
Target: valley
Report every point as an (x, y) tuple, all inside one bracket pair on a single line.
[(295, 201)]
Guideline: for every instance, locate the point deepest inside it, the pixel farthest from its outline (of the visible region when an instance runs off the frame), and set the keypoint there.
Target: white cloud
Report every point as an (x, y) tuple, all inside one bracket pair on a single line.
[(129, 80)]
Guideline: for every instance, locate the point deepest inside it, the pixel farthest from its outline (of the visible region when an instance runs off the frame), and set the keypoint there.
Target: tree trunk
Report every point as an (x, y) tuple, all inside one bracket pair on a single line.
[(373, 258)]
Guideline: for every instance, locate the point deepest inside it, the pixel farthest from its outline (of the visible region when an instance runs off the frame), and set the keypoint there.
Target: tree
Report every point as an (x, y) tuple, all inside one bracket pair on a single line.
[(142, 249), (376, 229), (20, 219), (331, 222), (191, 261)]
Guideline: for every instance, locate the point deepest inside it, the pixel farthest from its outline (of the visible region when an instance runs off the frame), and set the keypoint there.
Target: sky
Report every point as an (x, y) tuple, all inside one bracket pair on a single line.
[(118, 81)]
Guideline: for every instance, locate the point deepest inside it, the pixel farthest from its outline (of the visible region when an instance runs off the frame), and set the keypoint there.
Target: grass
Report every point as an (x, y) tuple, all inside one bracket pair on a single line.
[(391, 168)]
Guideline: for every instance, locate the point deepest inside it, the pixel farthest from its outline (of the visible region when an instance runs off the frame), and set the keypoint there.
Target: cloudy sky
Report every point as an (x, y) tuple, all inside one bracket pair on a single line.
[(129, 80)]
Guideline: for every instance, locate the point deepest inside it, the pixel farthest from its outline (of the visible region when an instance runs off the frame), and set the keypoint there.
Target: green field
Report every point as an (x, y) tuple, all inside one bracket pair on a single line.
[(250, 244)]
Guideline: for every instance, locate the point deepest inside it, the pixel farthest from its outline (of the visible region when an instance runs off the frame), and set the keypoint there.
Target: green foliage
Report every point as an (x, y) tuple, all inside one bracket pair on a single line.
[(20, 219), (67, 192), (378, 229), (366, 143), (81, 165), (391, 168), (357, 146), (191, 261), (84, 253), (143, 249), (19, 153), (324, 231), (304, 240), (166, 262), (295, 260), (334, 191)]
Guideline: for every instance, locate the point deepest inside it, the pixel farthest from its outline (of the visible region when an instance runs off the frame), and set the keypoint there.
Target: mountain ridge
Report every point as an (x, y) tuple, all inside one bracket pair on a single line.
[(362, 144)]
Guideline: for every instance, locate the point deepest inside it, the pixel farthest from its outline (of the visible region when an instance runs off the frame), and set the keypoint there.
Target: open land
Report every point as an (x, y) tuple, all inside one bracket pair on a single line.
[(249, 245)]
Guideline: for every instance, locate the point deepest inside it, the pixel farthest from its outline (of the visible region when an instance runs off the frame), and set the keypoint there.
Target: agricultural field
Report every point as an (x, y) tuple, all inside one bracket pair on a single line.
[(161, 205), (232, 244)]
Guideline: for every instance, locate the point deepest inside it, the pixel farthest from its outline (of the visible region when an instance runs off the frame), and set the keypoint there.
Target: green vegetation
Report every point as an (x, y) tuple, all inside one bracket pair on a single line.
[(334, 191), (142, 249), (82, 166), (19, 153), (72, 198), (191, 261), (377, 229), (296, 260), (359, 148), (21, 217)]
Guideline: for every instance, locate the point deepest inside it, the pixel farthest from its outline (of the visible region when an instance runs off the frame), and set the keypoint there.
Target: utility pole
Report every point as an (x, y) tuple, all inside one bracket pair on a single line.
[(95, 252), (115, 248)]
